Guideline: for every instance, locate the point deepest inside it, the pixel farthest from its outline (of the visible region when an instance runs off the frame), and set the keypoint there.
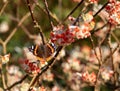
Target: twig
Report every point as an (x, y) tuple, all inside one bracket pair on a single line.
[(99, 65), (48, 12), (3, 8), (51, 14), (15, 29), (73, 10), (3, 80), (92, 32), (24, 28), (100, 9), (18, 82), (114, 36), (1, 41), (111, 55), (36, 25), (28, 33), (4, 43), (95, 51)]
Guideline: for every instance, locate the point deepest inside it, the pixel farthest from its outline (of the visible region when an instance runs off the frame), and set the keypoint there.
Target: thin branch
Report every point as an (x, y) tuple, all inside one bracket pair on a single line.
[(80, 3), (95, 51), (1, 41), (51, 14), (114, 36), (36, 25), (100, 9), (92, 32), (110, 48), (3, 8), (28, 33), (3, 80), (15, 29), (23, 28), (16, 83), (114, 50), (48, 12), (99, 65)]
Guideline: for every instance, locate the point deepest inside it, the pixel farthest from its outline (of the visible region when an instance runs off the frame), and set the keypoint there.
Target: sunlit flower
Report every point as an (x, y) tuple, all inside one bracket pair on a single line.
[(5, 58), (55, 88), (106, 73), (24, 87), (113, 9), (4, 27), (13, 74), (48, 76), (93, 1), (29, 67), (89, 77)]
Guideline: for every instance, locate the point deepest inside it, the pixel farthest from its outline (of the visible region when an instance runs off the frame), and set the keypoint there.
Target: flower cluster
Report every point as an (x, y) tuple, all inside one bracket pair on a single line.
[(89, 77), (65, 36), (5, 58), (60, 36), (106, 73), (30, 67), (113, 9)]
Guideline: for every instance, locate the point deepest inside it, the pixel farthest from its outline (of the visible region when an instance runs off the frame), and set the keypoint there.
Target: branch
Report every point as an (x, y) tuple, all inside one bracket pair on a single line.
[(36, 25), (3, 8), (16, 83), (100, 9), (48, 12), (51, 14), (80, 3), (15, 29)]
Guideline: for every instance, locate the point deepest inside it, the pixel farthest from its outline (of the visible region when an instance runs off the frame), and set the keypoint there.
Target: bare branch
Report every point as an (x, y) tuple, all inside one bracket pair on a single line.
[(80, 3), (36, 25), (15, 29), (48, 12), (3, 8)]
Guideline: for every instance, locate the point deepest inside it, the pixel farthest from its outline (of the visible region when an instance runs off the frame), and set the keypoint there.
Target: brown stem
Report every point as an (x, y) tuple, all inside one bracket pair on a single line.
[(100, 9), (16, 83), (15, 29), (51, 14), (95, 51), (36, 25), (48, 12), (73, 10), (3, 8)]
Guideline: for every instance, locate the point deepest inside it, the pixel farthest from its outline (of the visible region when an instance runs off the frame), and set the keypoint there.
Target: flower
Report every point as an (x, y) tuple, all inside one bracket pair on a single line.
[(89, 77), (106, 73), (49, 76), (5, 58), (29, 67), (4, 27), (93, 1), (113, 9), (61, 36)]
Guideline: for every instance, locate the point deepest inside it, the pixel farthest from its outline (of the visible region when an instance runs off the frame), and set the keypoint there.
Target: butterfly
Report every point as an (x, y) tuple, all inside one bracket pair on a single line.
[(43, 52)]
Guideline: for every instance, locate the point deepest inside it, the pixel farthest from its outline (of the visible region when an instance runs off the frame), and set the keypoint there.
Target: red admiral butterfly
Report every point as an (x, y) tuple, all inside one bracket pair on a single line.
[(43, 52)]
